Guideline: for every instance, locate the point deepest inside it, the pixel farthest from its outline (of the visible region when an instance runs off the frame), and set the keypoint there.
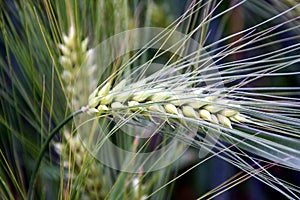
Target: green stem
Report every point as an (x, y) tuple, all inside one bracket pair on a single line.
[(45, 147)]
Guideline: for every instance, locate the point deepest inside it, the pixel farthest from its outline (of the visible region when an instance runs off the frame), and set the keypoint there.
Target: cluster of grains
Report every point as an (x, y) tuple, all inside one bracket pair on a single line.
[(191, 105), (74, 52), (93, 176)]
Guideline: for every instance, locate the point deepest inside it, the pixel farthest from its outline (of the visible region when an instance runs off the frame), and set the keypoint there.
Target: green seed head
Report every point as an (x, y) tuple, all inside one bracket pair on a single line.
[(228, 112), (224, 121), (204, 114), (188, 111), (208, 108), (104, 90), (119, 87), (157, 108), (106, 100), (134, 105), (170, 108), (102, 109), (213, 108), (141, 96), (117, 105)]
